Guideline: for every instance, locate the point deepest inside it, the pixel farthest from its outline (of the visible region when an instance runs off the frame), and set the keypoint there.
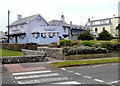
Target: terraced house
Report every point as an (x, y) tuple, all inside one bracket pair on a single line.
[(36, 29), (109, 24)]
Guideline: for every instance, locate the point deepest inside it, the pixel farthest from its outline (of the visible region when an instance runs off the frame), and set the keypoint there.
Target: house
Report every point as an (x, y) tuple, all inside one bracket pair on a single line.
[(75, 31), (36, 29), (3, 38), (97, 26)]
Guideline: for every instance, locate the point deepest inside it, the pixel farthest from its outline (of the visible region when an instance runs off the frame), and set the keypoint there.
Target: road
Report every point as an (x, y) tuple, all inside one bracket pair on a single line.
[(37, 74)]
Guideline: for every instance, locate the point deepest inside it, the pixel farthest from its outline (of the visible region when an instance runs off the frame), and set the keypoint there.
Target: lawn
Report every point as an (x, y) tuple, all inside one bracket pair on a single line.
[(4, 52), (82, 63)]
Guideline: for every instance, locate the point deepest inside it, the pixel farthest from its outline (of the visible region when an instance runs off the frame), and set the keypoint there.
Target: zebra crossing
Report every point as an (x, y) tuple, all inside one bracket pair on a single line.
[(41, 77)]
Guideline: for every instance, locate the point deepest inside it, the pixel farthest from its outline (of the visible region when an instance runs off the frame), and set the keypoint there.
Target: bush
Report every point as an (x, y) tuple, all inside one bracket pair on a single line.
[(77, 43), (105, 35), (65, 42), (91, 43), (113, 46), (53, 44), (85, 36), (84, 50)]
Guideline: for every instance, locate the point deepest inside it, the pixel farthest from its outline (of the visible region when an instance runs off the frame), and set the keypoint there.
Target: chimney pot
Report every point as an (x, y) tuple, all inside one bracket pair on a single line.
[(62, 18), (19, 16)]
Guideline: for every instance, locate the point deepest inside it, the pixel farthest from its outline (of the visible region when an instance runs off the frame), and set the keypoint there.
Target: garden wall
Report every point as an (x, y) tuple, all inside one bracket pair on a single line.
[(22, 59), (52, 52), (18, 47), (33, 52)]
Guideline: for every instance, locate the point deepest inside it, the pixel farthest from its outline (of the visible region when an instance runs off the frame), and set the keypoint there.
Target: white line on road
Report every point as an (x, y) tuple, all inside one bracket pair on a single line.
[(67, 82), (69, 71), (33, 72), (42, 80), (114, 82), (36, 76), (98, 80), (87, 77), (63, 68), (78, 74)]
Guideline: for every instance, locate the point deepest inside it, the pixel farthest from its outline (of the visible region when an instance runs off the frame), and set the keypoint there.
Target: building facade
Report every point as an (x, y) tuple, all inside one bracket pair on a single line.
[(97, 26), (36, 29)]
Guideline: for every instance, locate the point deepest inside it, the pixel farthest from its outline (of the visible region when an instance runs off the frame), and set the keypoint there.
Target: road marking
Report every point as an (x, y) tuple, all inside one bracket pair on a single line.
[(87, 77), (78, 74), (98, 80), (42, 80), (69, 71), (63, 68), (37, 76), (67, 82), (114, 82), (33, 72)]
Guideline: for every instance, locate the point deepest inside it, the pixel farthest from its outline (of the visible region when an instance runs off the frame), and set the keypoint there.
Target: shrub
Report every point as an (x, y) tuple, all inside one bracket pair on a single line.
[(91, 43), (53, 44), (77, 43), (85, 36), (110, 45), (84, 50), (65, 42), (105, 35)]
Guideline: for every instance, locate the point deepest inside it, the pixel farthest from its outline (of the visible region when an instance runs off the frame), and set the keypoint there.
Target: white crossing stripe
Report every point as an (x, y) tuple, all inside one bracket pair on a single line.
[(63, 68), (36, 76), (114, 82), (78, 74), (98, 80), (67, 82), (33, 72), (42, 80), (87, 77)]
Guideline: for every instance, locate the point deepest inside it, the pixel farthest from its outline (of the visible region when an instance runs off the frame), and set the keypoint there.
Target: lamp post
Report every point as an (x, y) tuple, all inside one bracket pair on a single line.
[(8, 24)]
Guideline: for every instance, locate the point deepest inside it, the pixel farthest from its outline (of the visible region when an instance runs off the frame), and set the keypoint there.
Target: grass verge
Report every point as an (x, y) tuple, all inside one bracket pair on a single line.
[(83, 63), (5, 52), (90, 56)]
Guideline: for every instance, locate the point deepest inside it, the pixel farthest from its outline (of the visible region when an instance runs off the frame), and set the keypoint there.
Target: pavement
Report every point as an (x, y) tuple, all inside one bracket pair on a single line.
[(40, 73)]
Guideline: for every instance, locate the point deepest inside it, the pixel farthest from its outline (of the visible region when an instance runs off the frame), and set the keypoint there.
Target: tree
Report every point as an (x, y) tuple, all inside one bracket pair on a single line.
[(85, 36), (104, 35)]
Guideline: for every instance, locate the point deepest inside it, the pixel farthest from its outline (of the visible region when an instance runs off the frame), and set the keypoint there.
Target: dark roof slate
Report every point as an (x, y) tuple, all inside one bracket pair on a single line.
[(23, 20)]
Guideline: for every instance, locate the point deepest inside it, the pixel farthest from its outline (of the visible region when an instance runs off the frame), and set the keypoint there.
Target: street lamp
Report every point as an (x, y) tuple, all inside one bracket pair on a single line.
[(8, 25)]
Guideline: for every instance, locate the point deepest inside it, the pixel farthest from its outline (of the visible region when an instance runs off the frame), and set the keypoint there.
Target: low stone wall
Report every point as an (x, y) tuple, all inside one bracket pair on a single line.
[(33, 52), (52, 52), (22, 59)]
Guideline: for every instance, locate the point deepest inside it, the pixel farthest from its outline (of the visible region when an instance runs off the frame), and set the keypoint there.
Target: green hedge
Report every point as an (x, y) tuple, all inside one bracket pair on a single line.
[(83, 50), (112, 46), (65, 42)]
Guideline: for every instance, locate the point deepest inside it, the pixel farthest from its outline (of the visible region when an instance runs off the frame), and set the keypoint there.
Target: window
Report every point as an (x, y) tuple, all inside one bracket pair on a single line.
[(103, 28), (54, 34), (64, 29), (33, 35), (97, 23), (57, 33), (44, 35), (96, 29), (41, 34)]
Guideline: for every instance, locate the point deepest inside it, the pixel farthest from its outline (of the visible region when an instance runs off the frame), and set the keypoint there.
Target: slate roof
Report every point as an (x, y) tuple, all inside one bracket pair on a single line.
[(58, 23), (26, 20)]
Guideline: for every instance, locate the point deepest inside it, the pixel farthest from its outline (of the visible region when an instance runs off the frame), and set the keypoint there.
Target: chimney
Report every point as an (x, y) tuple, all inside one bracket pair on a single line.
[(19, 16), (71, 23), (62, 18), (88, 19), (113, 15)]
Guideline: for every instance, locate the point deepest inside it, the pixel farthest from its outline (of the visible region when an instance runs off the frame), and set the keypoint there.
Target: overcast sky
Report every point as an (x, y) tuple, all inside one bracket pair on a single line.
[(77, 11)]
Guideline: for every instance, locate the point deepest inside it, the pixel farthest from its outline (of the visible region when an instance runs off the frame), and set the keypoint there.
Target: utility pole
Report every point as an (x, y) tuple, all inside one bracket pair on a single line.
[(8, 25)]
